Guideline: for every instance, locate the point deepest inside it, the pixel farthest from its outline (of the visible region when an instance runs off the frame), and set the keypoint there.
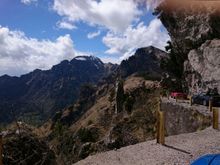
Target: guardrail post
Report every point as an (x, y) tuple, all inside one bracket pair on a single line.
[(158, 119), (215, 118), (210, 105), (190, 100), (1, 150), (161, 128), (160, 125), (157, 127)]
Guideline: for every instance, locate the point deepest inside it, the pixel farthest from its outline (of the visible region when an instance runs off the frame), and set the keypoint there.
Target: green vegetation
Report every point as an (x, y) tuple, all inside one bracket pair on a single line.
[(87, 90), (59, 129), (90, 122), (175, 63), (129, 102), (85, 135)]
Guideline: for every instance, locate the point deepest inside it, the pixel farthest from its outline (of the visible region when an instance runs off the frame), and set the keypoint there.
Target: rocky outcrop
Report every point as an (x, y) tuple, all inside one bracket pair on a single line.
[(205, 62), (194, 30)]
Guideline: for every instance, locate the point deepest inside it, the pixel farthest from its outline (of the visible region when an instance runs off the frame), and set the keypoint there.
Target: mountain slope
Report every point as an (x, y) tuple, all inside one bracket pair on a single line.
[(118, 112), (42, 93)]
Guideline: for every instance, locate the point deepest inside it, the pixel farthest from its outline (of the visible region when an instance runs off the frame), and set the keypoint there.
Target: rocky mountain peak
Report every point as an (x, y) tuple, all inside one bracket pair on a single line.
[(144, 60)]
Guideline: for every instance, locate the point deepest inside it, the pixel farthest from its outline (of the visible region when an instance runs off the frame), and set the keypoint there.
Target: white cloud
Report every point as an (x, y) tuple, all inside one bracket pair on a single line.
[(113, 60), (94, 34), (115, 15), (65, 25), (28, 2), (135, 37), (149, 4), (20, 54)]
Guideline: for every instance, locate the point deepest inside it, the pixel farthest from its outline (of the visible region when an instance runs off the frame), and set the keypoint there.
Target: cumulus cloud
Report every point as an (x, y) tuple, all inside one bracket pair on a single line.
[(121, 18), (149, 4), (141, 35), (65, 25), (28, 2), (115, 15), (20, 54), (94, 34)]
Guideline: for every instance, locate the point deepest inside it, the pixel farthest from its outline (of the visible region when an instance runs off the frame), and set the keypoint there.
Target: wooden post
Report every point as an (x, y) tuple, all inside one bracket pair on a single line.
[(1, 150), (161, 128), (176, 99), (158, 126), (215, 118), (190, 100), (158, 119), (210, 105)]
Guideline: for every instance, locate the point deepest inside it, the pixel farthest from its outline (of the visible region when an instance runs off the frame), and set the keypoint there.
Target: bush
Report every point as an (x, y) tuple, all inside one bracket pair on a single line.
[(85, 135), (59, 129), (129, 102)]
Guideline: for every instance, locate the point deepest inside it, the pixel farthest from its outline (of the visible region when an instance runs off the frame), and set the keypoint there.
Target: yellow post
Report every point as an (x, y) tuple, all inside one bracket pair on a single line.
[(158, 119), (161, 128), (160, 125), (157, 126), (210, 105), (215, 118), (1, 150), (190, 100), (176, 99)]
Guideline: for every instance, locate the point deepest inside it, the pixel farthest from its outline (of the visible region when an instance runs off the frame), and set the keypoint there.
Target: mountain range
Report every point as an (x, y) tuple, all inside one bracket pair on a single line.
[(36, 96)]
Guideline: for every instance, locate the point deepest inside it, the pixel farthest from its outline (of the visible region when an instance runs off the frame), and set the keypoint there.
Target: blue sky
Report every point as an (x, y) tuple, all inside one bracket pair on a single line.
[(41, 33)]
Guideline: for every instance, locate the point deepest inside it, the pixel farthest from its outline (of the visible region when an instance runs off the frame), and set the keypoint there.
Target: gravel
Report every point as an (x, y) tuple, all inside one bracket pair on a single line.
[(179, 150)]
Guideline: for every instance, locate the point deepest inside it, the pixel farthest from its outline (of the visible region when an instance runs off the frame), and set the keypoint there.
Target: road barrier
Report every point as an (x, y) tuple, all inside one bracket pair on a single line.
[(1, 150), (215, 118), (160, 125)]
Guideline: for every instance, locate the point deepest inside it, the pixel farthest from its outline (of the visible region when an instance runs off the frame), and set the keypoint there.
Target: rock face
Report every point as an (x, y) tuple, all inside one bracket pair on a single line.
[(180, 119), (42, 93), (194, 30), (206, 62)]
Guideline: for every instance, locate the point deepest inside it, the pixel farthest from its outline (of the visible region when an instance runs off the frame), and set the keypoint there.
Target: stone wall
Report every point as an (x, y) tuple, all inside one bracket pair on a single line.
[(180, 119)]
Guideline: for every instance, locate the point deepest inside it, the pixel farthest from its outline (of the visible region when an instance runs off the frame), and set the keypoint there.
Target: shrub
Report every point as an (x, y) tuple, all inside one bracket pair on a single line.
[(85, 135)]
